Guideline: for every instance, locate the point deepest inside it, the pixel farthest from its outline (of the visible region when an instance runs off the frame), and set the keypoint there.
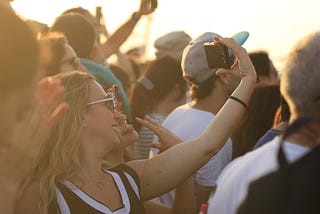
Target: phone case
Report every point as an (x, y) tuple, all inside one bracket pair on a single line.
[(217, 56)]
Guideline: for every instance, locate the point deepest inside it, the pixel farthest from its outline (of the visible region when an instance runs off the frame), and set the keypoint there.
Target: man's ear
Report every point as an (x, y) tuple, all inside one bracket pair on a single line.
[(94, 52), (223, 75), (263, 80), (176, 92)]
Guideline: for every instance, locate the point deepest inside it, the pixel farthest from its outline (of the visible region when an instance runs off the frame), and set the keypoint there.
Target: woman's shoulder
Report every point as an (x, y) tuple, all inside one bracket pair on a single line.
[(124, 168)]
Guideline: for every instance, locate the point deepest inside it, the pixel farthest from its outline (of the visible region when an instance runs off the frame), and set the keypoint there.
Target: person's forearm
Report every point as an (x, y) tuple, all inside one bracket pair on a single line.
[(123, 32), (183, 160), (203, 193), (125, 64), (184, 198), (116, 39)]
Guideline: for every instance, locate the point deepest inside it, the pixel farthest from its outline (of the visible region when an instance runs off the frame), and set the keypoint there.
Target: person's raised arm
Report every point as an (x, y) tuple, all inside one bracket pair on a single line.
[(163, 172), (116, 39), (18, 155), (184, 195)]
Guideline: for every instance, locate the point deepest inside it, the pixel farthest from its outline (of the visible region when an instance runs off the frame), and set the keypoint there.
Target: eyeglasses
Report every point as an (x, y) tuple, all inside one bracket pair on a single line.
[(73, 61), (109, 102), (113, 91)]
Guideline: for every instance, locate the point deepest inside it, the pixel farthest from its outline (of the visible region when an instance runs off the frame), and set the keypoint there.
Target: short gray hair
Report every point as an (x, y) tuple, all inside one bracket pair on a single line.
[(300, 81)]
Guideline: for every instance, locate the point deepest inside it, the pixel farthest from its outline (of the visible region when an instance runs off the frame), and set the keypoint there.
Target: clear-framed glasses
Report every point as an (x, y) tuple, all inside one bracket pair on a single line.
[(73, 61), (114, 93), (109, 102)]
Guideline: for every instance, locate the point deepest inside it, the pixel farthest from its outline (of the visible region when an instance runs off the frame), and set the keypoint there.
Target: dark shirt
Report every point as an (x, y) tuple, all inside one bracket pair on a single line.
[(268, 136), (84, 204)]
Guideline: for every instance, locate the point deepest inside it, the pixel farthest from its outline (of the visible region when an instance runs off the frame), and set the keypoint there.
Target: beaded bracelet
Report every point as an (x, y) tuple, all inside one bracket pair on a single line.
[(239, 101)]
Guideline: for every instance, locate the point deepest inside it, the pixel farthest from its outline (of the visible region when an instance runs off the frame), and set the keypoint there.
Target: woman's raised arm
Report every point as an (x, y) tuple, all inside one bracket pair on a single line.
[(165, 171)]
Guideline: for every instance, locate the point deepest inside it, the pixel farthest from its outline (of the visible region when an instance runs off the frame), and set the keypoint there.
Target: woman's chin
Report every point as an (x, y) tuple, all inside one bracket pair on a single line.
[(129, 136), (129, 130), (132, 136)]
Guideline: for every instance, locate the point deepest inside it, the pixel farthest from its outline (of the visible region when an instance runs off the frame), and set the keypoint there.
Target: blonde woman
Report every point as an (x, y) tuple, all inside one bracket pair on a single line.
[(184, 201), (70, 167)]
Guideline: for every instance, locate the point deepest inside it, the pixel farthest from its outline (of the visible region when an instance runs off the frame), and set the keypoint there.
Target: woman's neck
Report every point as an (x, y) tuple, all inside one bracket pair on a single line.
[(113, 159), (90, 165)]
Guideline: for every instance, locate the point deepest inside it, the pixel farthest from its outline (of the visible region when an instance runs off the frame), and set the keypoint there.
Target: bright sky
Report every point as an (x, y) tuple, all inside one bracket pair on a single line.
[(274, 25)]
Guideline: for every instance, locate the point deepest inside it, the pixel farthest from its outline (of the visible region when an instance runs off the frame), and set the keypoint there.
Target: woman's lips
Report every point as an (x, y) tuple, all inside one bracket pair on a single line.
[(127, 129)]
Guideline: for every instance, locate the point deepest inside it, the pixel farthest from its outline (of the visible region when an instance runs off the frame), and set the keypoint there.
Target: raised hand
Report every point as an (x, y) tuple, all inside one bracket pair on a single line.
[(166, 138), (243, 61), (145, 8), (18, 153), (32, 130)]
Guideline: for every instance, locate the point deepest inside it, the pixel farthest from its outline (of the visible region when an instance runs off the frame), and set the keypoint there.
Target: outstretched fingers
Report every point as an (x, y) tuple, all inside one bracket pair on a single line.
[(145, 7), (166, 138), (150, 123)]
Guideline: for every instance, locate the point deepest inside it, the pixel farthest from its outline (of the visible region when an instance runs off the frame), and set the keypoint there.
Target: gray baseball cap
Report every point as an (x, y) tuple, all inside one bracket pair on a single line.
[(194, 63)]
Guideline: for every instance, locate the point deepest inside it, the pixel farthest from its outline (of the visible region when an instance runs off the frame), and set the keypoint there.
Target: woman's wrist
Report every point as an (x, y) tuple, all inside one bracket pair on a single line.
[(250, 80), (245, 89), (239, 101)]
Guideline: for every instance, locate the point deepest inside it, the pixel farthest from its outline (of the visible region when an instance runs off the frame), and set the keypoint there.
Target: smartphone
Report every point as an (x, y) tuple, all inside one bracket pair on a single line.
[(153, 4), (98, 13), (217, 56)]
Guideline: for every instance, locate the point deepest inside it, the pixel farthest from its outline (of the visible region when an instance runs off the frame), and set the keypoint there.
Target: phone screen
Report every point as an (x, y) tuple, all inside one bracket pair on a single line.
[(217, 56)]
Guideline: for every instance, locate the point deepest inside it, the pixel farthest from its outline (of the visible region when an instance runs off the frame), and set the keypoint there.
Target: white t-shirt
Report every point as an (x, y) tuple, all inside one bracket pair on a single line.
[(188, 123), (235, 179)]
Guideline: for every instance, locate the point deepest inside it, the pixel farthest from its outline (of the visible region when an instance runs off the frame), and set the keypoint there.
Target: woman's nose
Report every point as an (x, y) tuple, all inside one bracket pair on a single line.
[(124, 117), (121, 118), (117, 114)]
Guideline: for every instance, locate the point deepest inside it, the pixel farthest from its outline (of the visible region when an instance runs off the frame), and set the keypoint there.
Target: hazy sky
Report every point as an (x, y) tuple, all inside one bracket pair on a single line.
[(274, 25)]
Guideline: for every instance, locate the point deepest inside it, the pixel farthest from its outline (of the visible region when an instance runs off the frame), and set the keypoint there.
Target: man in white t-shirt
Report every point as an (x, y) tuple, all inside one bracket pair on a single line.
[(208, 93), (301, 89), (234, 180)]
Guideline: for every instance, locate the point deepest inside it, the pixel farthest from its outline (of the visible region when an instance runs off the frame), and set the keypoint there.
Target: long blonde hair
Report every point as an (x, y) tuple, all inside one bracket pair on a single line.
[(59, 155)]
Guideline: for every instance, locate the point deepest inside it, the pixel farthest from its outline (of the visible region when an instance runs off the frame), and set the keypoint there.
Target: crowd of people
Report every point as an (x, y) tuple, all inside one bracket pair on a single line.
[(172, 135)]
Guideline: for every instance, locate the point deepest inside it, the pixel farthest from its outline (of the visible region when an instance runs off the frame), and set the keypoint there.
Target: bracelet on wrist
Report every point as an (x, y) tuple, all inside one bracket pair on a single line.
[(135, 16), (239, 101)]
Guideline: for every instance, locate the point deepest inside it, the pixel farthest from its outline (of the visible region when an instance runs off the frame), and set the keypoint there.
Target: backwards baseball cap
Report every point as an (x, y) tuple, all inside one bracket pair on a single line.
[(194, 63)]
